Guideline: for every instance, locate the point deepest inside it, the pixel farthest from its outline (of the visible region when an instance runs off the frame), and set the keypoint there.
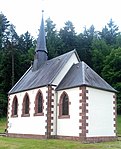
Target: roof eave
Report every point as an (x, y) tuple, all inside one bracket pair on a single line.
[(31, 88), (114, 91), (25, 90)]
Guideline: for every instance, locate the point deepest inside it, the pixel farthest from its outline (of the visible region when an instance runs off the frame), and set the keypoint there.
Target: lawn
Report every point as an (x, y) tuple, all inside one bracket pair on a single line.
[(2, 124), (119, 125), (17, 143)]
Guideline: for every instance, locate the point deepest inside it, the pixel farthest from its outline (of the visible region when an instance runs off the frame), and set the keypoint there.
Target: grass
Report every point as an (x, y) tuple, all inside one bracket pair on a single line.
[(2, 124), (17, 143), (119, 125)]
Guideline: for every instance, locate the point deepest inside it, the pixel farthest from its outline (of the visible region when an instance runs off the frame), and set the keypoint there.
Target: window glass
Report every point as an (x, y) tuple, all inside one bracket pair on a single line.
[(26, 105), (39, 101), (65, 105), (15, 107)]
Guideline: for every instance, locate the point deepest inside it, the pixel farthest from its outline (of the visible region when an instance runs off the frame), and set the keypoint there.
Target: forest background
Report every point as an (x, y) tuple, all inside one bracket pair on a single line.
[(101, 50)]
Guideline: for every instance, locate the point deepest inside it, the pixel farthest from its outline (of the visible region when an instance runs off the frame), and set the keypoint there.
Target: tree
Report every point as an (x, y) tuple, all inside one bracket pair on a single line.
[(99, 51), (25, 42), (26, 48), (4, 24), (53, 41), (4, 29), (109, 33), (112, 72), (85, 41), (118, 40), (68, 37), (11, 47)]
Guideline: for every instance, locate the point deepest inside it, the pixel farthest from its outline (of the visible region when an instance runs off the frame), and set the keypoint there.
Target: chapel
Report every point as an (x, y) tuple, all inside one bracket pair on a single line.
[(61, 98)]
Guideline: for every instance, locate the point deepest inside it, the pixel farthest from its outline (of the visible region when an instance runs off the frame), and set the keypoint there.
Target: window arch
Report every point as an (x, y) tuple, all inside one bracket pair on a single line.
[(25, 106), (39, 104), (64, 106), (15, 107)]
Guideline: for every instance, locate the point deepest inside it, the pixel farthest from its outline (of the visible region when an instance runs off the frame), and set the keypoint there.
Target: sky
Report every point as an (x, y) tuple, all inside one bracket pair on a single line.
[(25, 15)]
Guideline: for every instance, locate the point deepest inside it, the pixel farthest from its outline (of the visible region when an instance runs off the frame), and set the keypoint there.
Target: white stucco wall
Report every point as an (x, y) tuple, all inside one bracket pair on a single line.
[(70, 126), (100, 116), (27, 125), (73, 60)]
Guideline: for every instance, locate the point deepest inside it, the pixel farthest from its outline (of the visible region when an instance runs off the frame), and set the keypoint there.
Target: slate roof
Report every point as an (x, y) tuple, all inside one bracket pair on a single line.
[(81, 74), (43, 76), (41, 41)]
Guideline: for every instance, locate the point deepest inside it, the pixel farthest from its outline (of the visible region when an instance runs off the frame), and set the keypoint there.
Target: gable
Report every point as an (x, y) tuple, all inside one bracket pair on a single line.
[(72, 60), (81, 74)]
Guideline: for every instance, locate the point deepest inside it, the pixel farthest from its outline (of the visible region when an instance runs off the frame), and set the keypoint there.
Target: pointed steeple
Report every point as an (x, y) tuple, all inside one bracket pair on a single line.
[(41, 50), (41, 41)]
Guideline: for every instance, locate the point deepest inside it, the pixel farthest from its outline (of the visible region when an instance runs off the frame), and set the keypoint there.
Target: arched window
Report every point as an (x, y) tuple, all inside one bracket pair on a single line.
[(39, 104), (25, 110), (64, 106), (15, 107)]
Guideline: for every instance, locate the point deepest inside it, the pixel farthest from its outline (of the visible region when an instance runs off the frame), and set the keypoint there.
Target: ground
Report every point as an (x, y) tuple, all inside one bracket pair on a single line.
[(17, 143)]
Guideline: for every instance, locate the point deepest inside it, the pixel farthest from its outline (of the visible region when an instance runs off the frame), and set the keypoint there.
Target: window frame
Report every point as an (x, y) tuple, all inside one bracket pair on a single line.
[(61, 116), (13, 107), (36, 113), (24, 106)]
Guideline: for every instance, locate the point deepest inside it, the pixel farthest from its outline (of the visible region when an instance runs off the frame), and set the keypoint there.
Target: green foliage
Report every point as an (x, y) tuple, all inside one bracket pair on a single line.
[(4, 25), (85, 41), (119, 125), (68, 37), (3, 122), (112, 69), (110, 32), (18, 143), (112, 72), (3, 104), (52, 38), (99, 51)]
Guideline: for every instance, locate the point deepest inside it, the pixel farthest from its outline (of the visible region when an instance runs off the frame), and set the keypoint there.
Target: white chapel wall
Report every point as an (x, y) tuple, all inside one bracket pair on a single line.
[(100, 113), (73, 60), (70, 126), (27, 125)]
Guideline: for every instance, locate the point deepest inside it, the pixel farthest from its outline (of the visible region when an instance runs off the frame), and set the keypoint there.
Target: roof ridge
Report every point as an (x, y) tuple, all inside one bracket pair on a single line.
[(62, 55)]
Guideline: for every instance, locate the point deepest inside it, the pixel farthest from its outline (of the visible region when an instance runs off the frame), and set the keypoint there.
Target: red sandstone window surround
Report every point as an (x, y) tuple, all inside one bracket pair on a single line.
[(25, 106), (64, 106), (39, 104), (15, 107)]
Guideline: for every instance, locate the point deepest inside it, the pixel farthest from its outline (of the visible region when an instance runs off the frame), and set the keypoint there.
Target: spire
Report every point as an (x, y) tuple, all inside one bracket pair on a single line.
[(41, 50), (41, 41)]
